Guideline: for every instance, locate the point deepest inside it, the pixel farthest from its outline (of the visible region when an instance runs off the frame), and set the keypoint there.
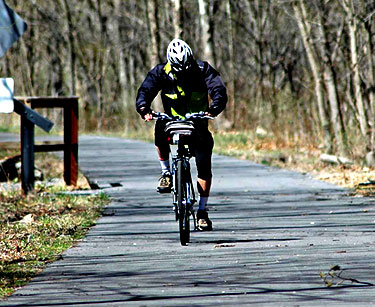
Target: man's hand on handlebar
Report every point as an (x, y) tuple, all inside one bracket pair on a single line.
[(148, 117)]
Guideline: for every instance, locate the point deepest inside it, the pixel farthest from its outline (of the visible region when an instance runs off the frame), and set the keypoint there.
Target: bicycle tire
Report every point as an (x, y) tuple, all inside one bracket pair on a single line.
[(184, 220)]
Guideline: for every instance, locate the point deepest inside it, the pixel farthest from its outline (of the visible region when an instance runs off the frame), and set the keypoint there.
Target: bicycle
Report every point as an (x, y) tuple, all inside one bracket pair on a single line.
[(180, 131)]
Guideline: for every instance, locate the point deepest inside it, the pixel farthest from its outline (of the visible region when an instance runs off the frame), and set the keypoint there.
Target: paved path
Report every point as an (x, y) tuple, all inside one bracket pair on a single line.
[(274, 232)]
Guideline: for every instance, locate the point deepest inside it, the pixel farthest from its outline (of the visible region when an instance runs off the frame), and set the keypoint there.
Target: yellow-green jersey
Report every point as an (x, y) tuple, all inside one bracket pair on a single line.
[(183, 93)]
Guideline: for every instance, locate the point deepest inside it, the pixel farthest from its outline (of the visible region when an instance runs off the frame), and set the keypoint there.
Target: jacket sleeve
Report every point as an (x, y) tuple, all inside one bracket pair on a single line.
[(148, 91), (216, 90)]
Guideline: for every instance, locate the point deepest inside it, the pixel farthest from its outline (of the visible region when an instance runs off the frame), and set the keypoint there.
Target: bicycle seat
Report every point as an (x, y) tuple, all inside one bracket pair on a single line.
[(180, 128)]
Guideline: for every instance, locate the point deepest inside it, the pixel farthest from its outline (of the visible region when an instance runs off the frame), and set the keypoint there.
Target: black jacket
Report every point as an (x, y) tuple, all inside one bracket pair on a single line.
[(183, 94)]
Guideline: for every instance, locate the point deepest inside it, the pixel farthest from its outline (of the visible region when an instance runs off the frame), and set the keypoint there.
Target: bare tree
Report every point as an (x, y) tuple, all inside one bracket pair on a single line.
[(330, 80), (71, 30), (205, 36), (371, 83), (306, 35), (153, 26), (177, 20), (352, 22), (231, 81)]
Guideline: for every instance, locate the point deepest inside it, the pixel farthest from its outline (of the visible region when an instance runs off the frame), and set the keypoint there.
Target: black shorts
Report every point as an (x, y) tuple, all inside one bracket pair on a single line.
[(201, 146)]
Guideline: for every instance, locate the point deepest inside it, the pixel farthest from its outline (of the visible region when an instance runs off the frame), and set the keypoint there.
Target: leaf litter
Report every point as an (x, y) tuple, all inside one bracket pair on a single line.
[(36, 229)]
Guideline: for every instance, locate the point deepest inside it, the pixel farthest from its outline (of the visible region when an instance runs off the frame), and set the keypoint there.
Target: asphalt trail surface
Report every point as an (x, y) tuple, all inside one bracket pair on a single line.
[(275, 231)]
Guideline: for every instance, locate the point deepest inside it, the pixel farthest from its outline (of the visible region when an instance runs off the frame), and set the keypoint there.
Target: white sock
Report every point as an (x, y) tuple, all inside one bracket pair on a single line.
[(165, 166), (202, 202)]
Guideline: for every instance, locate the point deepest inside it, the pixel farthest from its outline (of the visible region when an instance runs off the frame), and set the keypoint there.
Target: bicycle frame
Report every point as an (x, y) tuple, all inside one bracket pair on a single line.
[(179, 130)]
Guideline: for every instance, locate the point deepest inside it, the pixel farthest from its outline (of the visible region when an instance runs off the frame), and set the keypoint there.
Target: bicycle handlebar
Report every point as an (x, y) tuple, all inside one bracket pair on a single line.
[(188, 116)]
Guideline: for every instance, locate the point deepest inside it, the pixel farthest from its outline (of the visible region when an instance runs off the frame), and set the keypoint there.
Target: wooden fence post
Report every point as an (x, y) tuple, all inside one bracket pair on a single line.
[(27, 155), (29, 118), (71, 143)]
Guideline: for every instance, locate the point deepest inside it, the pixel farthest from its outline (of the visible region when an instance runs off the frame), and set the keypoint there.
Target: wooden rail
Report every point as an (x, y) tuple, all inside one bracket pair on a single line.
[(70, 144)]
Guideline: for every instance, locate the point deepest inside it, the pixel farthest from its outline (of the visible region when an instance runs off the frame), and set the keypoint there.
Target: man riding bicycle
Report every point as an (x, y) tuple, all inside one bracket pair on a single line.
[(185, 85)]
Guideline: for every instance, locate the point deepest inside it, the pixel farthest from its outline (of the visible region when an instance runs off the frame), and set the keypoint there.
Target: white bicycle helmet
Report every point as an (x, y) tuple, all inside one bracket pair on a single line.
[(179, 55)]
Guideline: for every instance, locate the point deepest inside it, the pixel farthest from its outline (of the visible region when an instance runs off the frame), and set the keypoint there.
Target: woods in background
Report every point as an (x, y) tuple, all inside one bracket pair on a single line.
[(302, 69)]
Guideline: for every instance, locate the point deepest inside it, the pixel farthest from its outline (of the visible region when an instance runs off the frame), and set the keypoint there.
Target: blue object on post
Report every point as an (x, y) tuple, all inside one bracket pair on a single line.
[(11, 27), (6, 95)]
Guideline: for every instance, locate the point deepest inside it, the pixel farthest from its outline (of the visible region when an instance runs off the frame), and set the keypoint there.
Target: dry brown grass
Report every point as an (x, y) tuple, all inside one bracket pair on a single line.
[(35, 229), (294, 155)]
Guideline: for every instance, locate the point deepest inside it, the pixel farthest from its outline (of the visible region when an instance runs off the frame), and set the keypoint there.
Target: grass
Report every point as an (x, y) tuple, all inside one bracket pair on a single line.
[(36, 229), (279, 151), (298, 156)]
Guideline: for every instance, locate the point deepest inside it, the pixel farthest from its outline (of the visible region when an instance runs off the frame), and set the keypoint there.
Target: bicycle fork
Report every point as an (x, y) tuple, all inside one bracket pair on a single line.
[(190, 195)]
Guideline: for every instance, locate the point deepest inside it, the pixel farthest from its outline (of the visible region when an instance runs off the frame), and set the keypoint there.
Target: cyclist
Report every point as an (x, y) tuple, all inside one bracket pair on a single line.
[(185, 84)]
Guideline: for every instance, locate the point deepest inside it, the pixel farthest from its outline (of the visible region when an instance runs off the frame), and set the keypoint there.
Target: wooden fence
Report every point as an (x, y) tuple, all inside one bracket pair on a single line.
[(70, 140)]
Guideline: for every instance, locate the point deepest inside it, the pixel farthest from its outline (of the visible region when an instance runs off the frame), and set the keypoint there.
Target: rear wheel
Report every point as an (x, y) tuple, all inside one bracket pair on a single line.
[(184, 219)]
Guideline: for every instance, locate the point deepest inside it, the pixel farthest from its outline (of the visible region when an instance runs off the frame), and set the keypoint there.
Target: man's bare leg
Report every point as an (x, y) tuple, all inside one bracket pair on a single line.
[(204, 188), (163, 153)]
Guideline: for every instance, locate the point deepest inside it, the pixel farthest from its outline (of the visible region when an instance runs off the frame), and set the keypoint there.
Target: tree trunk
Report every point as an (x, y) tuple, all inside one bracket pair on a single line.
[(120, 55), (101, 64), (331, 84), (72, 60), (206, 38), (177, 20), (352, 27), (231, 81), (153, 28), (371, 80), (300, 14)]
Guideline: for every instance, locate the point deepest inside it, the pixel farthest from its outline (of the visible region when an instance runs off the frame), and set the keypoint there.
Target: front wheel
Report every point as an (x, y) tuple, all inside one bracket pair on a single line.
[(183, 210)]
